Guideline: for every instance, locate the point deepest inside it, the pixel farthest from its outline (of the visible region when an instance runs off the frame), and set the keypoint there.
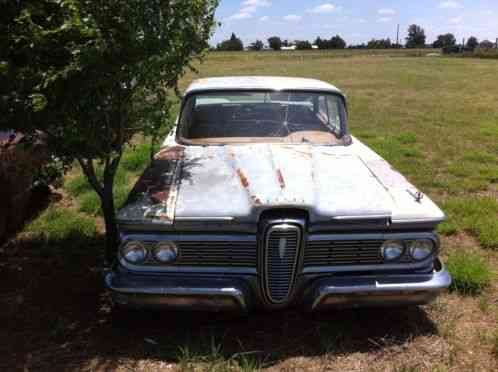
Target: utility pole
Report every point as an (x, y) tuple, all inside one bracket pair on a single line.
[(397, 38)]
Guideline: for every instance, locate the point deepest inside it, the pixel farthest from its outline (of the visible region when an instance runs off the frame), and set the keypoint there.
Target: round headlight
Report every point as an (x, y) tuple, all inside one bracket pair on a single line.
[(134, 252), (392, 250), (166, 252), (421, 249)]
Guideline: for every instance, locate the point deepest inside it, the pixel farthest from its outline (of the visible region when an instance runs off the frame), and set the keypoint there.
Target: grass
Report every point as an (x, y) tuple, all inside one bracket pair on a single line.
[(477, 215), (56, 224), (471, 273)]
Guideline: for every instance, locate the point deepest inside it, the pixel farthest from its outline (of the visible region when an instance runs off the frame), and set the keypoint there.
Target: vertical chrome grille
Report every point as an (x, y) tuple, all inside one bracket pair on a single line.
[(280, 259)]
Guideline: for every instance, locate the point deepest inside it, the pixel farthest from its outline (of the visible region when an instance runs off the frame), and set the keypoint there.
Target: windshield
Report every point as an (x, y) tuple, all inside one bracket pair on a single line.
[(248, 117)]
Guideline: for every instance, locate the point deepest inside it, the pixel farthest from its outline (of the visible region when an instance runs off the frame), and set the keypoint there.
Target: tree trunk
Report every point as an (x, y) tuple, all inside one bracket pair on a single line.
[(112, 238), (105, 190)]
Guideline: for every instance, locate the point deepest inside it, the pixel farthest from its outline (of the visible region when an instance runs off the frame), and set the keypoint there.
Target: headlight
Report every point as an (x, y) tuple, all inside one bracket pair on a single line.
[(392, 250), (421, 249), (134, 252), (166, 252)]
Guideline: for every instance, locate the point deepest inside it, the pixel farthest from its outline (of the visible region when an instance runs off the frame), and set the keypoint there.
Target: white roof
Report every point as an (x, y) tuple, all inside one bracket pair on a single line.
[(260, 82)]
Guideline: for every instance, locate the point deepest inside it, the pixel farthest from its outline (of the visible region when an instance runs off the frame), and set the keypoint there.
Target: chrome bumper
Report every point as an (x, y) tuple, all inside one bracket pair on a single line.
[(237, 294), (177, 293), (378, 291)]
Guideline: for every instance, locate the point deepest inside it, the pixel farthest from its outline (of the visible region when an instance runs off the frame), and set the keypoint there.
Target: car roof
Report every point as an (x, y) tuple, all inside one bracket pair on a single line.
[(260, 83)]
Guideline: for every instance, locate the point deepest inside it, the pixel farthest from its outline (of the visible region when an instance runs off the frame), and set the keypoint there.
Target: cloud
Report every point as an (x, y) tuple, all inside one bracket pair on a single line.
[(248, 9), (386, 11), (292, 18), (455, 20), (264, 18), (488, 12), (257, 3), (240, 15), (323, 9), (384, 19), (450, 5)]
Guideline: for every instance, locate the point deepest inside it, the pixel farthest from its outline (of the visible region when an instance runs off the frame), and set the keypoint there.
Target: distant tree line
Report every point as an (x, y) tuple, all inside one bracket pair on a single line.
[(416, 38)]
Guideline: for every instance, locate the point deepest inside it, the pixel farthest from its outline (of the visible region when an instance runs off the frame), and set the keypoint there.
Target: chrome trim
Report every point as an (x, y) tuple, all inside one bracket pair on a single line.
[(362, 268), (363, 217), (176, 237), (420, 220), (200, 219), (282, 227), (386, 266), (436, 282), (187, 269), (231, 292)]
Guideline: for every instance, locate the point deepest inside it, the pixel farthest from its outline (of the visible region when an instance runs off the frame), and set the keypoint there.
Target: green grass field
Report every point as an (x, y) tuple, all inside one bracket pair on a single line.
[(435, 119)]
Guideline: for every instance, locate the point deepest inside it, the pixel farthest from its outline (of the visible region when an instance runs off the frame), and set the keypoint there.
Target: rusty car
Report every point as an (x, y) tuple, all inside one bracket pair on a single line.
[(261, 198)]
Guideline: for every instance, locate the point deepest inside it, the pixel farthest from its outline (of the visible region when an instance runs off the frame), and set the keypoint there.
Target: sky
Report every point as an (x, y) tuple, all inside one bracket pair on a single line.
[(357, 21)]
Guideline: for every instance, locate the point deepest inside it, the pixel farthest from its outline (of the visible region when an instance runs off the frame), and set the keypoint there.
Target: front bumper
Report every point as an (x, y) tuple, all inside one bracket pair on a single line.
[(241, 294)]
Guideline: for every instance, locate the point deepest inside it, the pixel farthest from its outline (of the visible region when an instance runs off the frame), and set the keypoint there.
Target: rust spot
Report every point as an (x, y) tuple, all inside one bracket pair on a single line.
[(243, 178), (281, 180), (159, 195), (170, 153), (256, 200)]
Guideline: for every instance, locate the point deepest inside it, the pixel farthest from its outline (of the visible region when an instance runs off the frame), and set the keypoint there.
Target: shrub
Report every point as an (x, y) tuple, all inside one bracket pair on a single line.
[(471, 273)]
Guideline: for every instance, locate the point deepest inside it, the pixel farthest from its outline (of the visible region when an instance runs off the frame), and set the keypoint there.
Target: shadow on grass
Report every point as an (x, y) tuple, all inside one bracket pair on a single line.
[(58, 317)]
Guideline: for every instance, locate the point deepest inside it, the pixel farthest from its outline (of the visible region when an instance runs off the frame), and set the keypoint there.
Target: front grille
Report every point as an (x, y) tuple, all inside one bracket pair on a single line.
[(216, 253), (281, 253), (343, 252)]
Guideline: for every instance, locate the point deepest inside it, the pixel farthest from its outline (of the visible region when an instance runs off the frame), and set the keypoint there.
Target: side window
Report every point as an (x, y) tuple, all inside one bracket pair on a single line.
[(334, 115)]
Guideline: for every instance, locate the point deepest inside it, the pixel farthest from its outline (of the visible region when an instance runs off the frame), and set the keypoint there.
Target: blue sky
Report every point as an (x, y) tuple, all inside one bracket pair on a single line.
[(355, 20)]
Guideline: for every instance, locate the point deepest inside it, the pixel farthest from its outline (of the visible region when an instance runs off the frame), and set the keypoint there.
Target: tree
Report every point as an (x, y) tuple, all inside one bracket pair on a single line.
[(232, 44), (91, 74), (472, 43), (416, 37), (303, 45), (275, 43), (486, 44), (257, 45), (337, 42), (379, 44), (445, 41)]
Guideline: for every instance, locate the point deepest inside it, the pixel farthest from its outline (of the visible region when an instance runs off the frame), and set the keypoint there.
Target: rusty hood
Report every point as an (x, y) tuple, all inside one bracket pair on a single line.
[(240, 181)]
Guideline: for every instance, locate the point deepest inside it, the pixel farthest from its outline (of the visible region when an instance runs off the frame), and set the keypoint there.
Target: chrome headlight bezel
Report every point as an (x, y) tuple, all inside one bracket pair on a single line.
[(390, 245), (138, 248), (418, 244), (165, 252)]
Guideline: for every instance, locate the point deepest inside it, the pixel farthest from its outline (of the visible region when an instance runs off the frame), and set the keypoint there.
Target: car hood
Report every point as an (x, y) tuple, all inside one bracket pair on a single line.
[(239, 182)]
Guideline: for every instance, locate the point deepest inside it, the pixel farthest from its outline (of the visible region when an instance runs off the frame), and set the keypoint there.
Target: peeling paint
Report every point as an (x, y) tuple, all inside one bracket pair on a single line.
[(243, 178), (280, 178)]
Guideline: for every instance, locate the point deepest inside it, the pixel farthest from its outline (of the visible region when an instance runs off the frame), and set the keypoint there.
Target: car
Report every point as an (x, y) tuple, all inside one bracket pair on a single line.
[(260, 198)]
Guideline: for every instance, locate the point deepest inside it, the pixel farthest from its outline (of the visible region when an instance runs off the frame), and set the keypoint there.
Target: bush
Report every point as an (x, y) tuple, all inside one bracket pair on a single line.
[(471, 273)]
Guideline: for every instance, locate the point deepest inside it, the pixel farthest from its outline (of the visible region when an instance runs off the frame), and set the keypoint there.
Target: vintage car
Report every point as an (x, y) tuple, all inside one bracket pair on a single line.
[(261, 198)]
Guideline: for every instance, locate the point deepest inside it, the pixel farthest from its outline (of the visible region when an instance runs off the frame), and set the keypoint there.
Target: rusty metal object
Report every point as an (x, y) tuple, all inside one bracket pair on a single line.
[(18, 165)]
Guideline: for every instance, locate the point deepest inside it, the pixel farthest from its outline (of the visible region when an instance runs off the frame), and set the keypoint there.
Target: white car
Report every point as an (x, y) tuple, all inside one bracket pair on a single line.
[(260, 197)]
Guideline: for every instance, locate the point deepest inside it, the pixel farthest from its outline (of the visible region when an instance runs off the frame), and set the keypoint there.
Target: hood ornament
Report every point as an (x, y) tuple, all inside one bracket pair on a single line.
[(417, 195)]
